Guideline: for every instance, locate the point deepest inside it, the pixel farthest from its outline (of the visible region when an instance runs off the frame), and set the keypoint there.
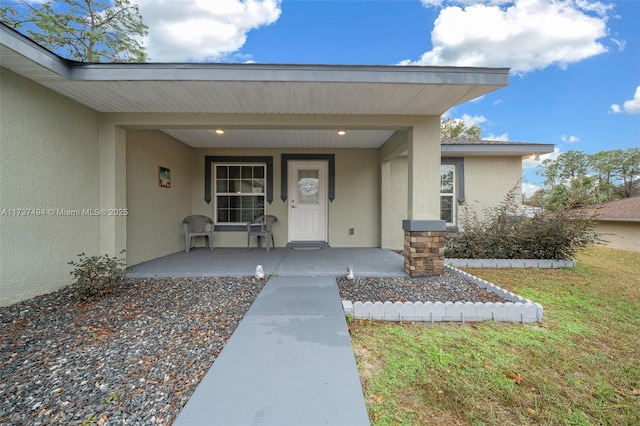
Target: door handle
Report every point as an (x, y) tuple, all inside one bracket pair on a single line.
[(293, 204)]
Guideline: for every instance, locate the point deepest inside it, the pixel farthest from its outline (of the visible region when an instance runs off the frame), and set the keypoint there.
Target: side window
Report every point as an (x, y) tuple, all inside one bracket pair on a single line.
[(447, 193)]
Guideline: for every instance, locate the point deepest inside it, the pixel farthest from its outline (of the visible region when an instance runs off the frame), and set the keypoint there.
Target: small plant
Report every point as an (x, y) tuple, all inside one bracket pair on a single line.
[(349, 318), (113, 397), (88, 421), (97, 276)]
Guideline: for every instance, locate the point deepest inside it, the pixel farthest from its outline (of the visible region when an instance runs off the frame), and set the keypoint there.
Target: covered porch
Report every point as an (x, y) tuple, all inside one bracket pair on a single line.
[(237, 262)]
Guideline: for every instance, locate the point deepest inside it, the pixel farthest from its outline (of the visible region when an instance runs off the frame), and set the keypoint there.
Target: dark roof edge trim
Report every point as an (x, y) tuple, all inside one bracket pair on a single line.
[(74, 70), (28, 48), (514, 148)]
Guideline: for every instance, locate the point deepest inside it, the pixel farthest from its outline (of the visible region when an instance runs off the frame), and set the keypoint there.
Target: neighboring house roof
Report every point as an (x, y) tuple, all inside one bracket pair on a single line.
[(466, 147), (624, 210)]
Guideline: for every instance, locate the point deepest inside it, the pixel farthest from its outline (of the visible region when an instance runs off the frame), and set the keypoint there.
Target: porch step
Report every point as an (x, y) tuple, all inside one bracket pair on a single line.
[(307, 245)]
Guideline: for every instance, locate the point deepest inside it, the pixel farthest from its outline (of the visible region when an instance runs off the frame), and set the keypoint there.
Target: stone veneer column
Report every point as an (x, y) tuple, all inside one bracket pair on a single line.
[(424, 247)]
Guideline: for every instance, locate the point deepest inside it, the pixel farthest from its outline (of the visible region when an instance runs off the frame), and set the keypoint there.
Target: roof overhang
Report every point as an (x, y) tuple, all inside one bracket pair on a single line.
[(495, 148), (249, 88), (276, 89)]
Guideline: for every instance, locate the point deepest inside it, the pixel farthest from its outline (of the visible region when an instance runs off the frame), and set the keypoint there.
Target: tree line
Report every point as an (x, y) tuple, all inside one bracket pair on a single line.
[(576, 179)]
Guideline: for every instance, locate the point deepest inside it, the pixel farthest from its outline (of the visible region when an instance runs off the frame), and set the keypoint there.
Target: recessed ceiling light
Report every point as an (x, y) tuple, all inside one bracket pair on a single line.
[(220, 131), (342, 132)]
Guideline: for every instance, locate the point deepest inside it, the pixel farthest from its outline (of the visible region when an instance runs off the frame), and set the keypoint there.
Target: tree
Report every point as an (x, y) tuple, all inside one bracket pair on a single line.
[(577, 179), (628, 172), (84, 30), (456, 129)]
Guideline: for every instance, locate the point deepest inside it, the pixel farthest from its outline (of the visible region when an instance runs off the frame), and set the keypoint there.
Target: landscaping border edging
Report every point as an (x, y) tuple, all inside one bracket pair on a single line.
[(516, 309), (511, 263)]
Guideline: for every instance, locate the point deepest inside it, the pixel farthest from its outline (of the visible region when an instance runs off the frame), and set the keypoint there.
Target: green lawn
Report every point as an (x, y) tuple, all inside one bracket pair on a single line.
[(580, 366)]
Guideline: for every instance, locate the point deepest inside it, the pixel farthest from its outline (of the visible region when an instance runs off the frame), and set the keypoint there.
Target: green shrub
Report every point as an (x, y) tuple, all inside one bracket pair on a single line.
[(96, 276), (505, 234)]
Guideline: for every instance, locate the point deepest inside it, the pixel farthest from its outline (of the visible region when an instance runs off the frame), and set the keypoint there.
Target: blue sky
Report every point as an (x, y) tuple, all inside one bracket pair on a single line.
[(575, 79)]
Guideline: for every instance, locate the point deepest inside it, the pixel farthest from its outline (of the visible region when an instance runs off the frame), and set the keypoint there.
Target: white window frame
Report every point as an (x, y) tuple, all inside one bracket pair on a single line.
[(452, 195), (217, 194)]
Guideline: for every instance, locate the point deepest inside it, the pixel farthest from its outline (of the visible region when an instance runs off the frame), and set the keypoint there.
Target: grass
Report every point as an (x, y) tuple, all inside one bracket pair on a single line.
[(580, 366)]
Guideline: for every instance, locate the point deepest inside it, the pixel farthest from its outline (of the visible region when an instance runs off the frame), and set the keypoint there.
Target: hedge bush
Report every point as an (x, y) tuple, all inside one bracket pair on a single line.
[(505, 233)]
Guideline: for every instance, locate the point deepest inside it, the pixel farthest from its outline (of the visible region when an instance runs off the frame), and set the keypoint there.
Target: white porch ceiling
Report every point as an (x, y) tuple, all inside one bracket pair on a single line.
[(280, 138)]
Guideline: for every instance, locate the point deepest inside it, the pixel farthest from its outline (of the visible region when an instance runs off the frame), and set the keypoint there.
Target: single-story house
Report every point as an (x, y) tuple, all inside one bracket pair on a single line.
[(97, 158), (618, 222)]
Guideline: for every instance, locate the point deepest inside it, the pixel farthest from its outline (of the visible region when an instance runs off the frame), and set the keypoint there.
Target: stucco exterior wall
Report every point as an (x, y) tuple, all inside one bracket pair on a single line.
[(155, 214), (356, 204), (49, 161), (399, 199), (488, 180), (620, 235)]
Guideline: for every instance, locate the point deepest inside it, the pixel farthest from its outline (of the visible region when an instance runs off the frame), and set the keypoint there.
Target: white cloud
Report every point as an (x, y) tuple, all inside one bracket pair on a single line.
[(569, 139), (525, 35), (528, 189), (632, 106), (202, 30), (620, 43), (470, 120), (503, 137)]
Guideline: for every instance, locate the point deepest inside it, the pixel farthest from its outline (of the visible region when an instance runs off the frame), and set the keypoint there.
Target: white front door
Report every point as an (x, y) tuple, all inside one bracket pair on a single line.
[(307, 200)]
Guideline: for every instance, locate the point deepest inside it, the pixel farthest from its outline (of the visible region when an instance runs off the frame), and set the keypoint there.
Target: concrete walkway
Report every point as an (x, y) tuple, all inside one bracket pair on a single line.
[(289, 362)]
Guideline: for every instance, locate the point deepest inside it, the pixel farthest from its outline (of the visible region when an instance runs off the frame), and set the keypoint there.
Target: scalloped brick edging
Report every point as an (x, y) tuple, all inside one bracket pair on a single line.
[(511, 263), (516, 309)]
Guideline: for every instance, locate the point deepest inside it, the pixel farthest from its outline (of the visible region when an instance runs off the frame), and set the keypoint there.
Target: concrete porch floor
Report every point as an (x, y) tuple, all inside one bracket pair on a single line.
[(234, 262)]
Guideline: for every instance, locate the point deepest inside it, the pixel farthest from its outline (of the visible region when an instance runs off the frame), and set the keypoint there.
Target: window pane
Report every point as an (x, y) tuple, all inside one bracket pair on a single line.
[(258, 172), (246, 186), (246, 172), (446, 208), (258, 203), (258, 186), (234, 186), (234, 202), (234, 172), (248, 216), (221, 172), (446, 179), (308, 187), (247, 202), (223, 202), (235, 215), (222, 186), (223, 215)]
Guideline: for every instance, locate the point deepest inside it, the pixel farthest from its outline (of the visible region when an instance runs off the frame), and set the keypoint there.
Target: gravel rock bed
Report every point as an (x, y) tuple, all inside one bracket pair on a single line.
[(134, 357), (449, 287)]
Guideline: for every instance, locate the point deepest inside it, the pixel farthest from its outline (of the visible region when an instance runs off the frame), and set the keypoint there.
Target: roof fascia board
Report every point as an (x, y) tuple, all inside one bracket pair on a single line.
[(31, 50), (511, 149), (498, 77)]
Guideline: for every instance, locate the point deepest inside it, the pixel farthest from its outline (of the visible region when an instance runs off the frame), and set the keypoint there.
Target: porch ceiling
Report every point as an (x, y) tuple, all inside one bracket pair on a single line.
[(280, 138)]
